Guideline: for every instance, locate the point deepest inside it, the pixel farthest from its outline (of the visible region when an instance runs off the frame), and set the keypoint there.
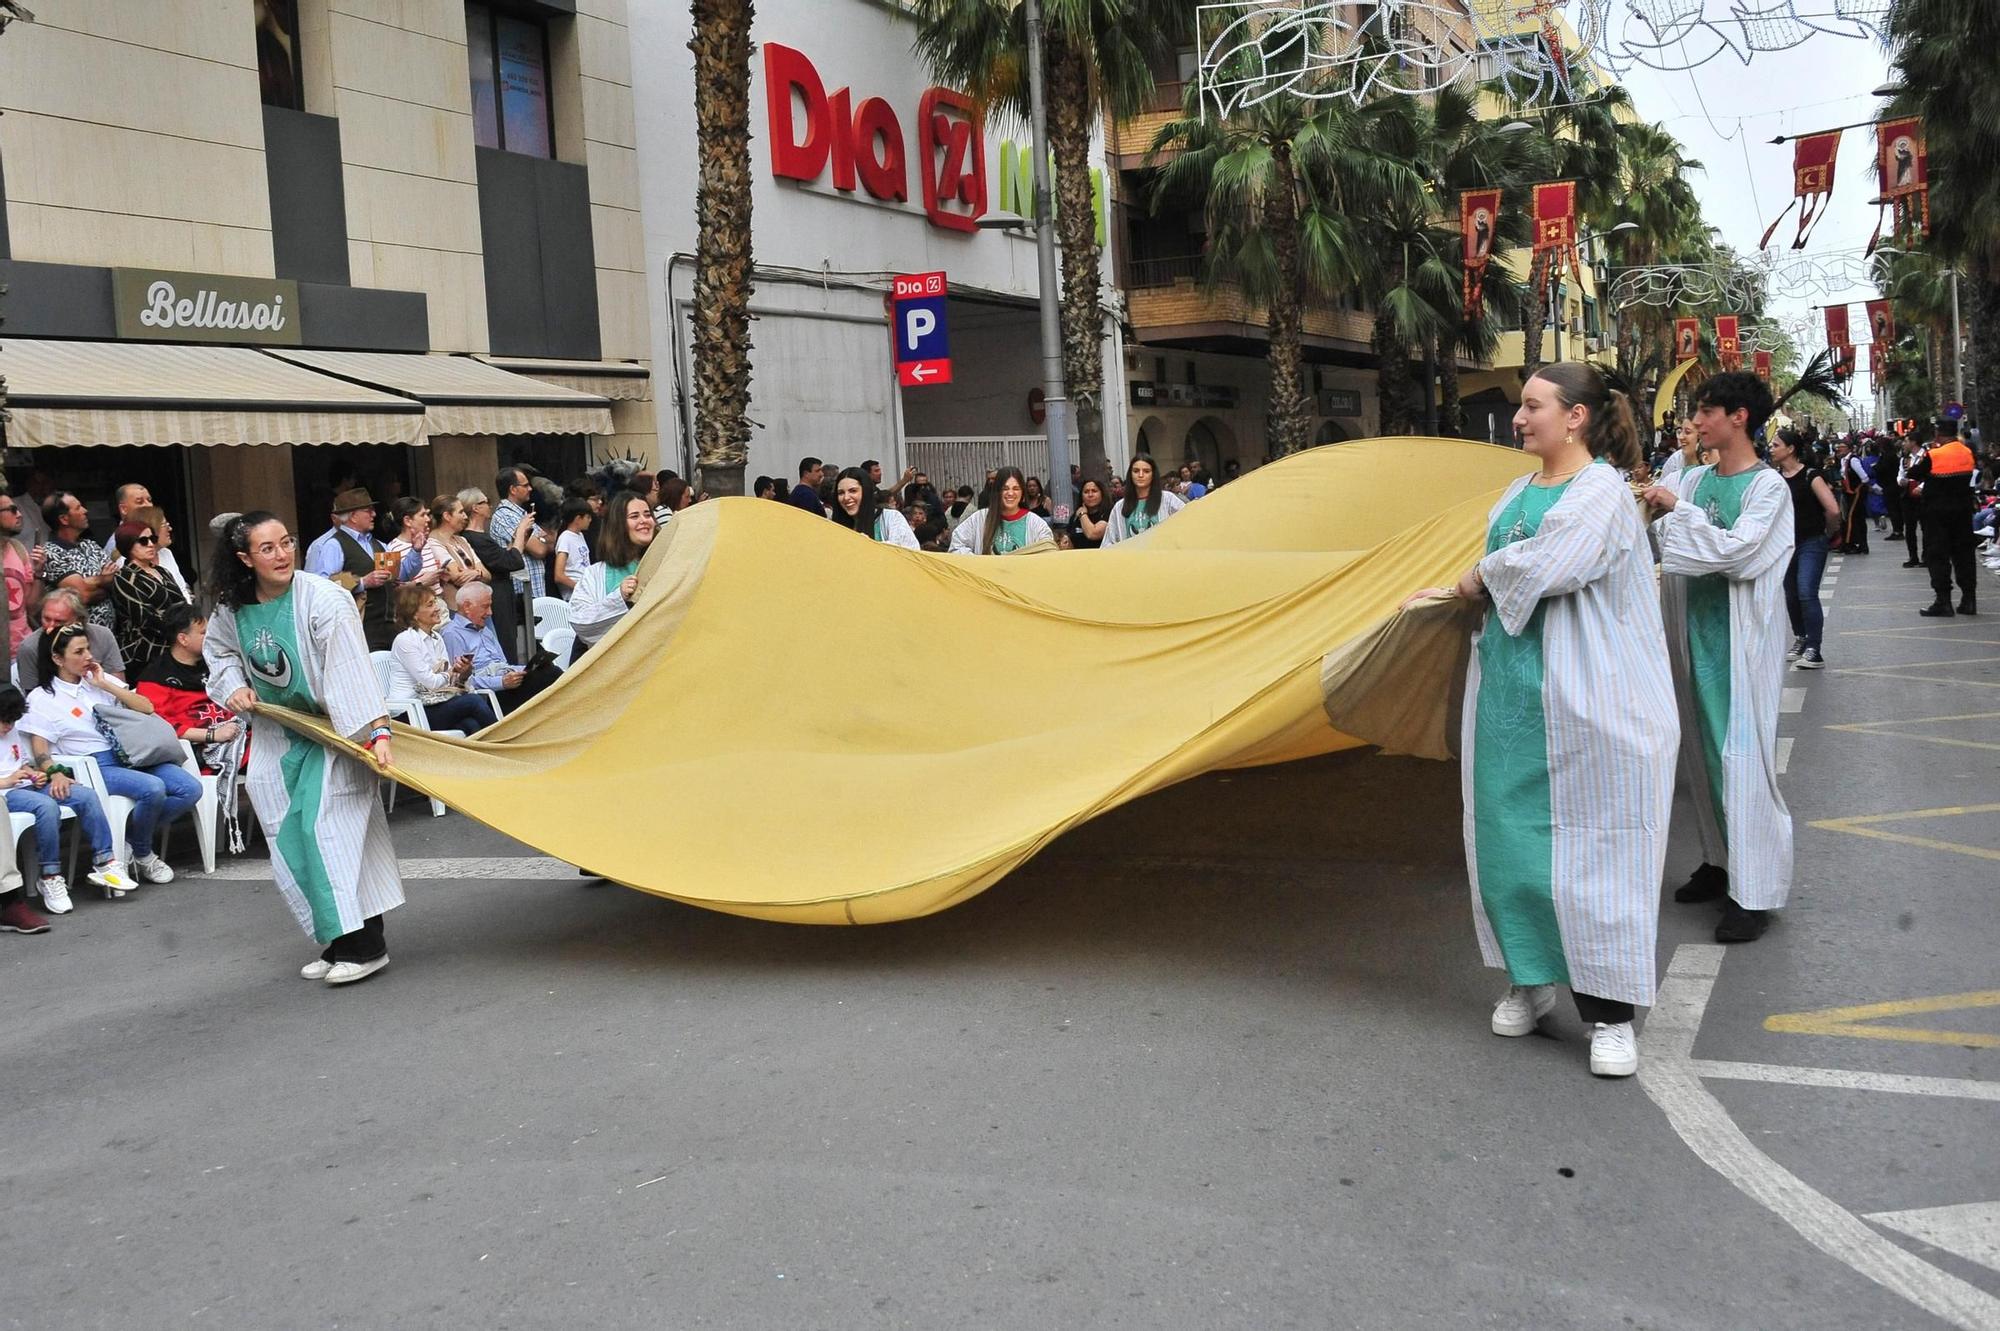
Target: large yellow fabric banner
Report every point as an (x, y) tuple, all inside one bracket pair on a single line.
[(799, 724)]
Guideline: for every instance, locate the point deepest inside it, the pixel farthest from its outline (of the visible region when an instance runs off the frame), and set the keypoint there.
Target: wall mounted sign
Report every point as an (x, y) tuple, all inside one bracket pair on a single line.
[(156, 306)]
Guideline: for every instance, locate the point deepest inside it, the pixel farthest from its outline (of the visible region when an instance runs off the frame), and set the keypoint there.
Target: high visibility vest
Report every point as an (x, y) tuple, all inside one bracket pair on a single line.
[(1950, 458)]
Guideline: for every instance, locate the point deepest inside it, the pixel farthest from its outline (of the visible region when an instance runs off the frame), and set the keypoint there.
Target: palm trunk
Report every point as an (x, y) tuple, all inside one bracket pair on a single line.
[(1070, 117), (1430, 412), (1535, 318), (1394, 386), (1451, 411), (1982, 351), (1291, 423), (723, 264)]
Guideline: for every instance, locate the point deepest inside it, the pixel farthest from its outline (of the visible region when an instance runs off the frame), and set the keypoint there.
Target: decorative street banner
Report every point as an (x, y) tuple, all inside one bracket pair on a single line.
[(1843, 364), (1812, 183), (1906, 178), (1728, 343), (1555, 224), (1478, 220), (1761, 362), (1687, 339), (1881, 323), (1837, 335)]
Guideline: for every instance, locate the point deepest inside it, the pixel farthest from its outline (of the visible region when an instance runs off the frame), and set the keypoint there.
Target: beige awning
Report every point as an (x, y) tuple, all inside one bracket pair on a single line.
[(619, 380), (462, 395), (65, 394)]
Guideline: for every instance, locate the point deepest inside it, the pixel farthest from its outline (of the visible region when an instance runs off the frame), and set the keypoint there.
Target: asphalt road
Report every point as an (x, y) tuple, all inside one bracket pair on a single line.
[(1218, 1060)]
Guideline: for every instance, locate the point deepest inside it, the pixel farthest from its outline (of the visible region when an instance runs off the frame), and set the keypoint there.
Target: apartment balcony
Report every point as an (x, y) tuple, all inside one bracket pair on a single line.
[(1129, 140), (1168, 303)]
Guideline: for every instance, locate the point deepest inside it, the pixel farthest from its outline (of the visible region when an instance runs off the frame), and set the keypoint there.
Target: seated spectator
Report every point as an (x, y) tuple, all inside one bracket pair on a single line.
[(45, 795), (61, 608), (134, 503), (473, 632), (421, 667), (176, 683), (61, 718), (141, 594)]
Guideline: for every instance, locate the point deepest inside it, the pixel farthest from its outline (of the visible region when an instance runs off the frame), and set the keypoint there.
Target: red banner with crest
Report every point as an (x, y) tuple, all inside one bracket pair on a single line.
[(1881, 322), (1761, 362), (1905, 167), (1479, 227), (1729, 341), (1555, 224), (1837, 332), (1687, 339), (1813, 157)]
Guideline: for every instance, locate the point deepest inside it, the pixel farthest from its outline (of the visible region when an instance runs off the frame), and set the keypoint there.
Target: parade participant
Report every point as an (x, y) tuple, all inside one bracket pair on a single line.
[(1855, 480), (350, 554), (293, 639), (62, 719), (855, 508), (1003, 526), (1724, 535), (1568, 738), (606, 589), (1815, 515), (1147, 503), (1093, 515), (44, 794), (1943, 481), (1687, 449), (142, 595)]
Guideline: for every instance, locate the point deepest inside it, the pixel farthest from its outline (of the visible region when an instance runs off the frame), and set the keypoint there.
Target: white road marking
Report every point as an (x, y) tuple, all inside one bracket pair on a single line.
[(1668, 1074), (1971, 1231), (508, 868), (1793, 700), (1784, 754), (1840, 1079)]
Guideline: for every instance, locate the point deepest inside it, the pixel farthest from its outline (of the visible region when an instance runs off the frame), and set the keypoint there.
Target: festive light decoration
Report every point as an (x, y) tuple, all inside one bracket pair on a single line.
[(1478, 222), (1813, 157), (1744, 284), (1255, 49)]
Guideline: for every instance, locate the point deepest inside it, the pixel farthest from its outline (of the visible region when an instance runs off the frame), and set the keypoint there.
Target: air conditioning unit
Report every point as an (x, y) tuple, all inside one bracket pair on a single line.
[(1593, 345)]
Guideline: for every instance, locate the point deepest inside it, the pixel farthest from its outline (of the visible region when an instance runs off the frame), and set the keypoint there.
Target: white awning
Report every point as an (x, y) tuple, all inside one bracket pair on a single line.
[(619, 380), (71, 394), (462, 395)]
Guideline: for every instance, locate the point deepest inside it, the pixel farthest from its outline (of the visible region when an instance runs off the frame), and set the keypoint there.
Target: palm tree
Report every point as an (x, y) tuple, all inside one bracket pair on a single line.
[(1098, 57), (1284, 185), (1659, 201), (1960, 106), (723, 263), (1580, 142)]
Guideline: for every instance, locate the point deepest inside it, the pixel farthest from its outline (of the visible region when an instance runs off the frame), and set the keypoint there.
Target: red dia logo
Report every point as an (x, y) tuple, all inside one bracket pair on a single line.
[(865, 144)]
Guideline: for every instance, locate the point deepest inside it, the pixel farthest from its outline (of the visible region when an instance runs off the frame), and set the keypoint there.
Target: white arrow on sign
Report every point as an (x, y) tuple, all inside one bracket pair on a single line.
[(922, 372)]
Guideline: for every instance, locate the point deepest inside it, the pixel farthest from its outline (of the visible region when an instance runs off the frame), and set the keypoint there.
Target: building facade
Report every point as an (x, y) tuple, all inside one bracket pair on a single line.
[(256, 250)]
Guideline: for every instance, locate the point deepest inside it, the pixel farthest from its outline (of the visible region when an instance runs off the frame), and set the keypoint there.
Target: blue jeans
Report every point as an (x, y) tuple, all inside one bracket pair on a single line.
[(159, 794), (82, 801), (1802, 590)]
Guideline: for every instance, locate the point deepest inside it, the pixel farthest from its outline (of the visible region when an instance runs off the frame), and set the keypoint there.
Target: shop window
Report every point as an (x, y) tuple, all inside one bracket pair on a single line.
[(509, 64), (280, 74)]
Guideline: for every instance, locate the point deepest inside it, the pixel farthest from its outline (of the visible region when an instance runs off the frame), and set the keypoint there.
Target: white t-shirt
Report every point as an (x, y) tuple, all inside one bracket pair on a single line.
[(571, 543), (64, 715), (15, 751)]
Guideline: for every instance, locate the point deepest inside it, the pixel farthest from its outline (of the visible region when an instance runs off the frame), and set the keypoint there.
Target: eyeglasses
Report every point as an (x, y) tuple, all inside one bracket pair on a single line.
[(11, 508), (270, 548)]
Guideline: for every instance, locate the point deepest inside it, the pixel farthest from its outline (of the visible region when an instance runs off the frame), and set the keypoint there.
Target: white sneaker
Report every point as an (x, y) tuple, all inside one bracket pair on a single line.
[(55, 895), (111, 876), (1614, 1050), (347, 972), (315, 970), (1517, 1013), (1797, 649), (152, 869)]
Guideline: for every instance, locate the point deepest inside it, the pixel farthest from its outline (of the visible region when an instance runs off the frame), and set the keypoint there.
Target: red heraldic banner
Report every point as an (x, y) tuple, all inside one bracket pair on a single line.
[(1555, 224), (1478, 224), (1761, 361), (1837, 335), (1728, 341), (1813, 158), (1881, 322), (1687, 339), (1905, 165)]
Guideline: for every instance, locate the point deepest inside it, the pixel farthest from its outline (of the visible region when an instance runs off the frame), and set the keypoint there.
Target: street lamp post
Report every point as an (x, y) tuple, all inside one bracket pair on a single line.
[(1055, 396)]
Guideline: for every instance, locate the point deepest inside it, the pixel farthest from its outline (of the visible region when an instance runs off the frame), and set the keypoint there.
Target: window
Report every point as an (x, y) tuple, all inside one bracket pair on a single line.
[(509, 63), (280, 78)]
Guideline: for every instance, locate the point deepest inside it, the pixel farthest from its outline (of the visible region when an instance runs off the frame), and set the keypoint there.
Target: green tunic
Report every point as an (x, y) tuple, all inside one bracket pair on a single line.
[(1011, 536), (1721, 498), (1513, 826)]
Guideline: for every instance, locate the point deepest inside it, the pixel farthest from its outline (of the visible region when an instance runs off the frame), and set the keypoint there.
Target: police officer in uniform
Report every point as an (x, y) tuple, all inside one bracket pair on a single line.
[(1943, 477)]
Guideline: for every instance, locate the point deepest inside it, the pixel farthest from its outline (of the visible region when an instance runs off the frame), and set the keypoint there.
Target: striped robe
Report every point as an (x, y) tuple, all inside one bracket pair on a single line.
[(1753, 555), (320, 810), (1609, 725), (1117, 529)]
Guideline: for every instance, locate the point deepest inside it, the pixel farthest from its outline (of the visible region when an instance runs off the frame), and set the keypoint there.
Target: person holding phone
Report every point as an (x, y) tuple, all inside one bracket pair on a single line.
[(420, 666)]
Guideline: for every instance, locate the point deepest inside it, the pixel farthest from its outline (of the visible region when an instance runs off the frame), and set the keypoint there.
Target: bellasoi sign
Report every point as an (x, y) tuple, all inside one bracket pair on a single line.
[(159, 306)]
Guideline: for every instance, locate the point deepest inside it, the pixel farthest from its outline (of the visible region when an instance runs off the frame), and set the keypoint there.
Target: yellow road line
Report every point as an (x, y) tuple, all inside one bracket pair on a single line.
[(1851, 1021), (1861, 825), (1916, 665), (1918, 720)]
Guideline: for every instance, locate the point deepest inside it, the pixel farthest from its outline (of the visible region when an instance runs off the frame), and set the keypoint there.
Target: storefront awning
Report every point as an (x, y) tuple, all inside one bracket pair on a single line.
[(462, 395), (619, 380), (68, 394)]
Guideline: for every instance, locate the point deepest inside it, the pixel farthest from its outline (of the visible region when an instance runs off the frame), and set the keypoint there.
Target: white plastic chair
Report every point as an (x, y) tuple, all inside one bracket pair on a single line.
[(205, 809), (21, 825), (551, 613), (117, 809), (558, 644), (412, 712)]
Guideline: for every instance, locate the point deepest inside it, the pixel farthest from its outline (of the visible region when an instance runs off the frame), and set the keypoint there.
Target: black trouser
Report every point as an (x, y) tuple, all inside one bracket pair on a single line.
[(1892, 501), (1912, 525), (1948, 546), (1593, 1009), (364, 944), (531, 684), (470, 712)]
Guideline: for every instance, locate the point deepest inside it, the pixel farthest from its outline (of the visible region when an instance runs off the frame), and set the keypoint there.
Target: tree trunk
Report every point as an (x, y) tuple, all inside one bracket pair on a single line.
[(723, 264), (1394, 386), (1070, 118), (1451, 411), (1430, 412), (1291, 423), (1982, 351), (1535, 317)]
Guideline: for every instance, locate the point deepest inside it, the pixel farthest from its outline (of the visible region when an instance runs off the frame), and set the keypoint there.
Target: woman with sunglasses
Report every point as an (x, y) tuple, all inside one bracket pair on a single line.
[(142, 595), (284, 638)]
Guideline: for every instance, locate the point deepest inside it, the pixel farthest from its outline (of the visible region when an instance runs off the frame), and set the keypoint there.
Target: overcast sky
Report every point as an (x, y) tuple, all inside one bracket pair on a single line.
[(1726, 113)]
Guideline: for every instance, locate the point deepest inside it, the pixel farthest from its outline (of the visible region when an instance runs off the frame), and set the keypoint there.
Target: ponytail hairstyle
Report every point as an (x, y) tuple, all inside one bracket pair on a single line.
[(1612, 432), (232, 582), (1131, 499), (993, 519), (864, 517)]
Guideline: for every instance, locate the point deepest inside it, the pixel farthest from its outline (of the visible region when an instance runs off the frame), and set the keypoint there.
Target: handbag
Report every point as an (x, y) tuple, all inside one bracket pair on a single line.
[(141, 739)]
